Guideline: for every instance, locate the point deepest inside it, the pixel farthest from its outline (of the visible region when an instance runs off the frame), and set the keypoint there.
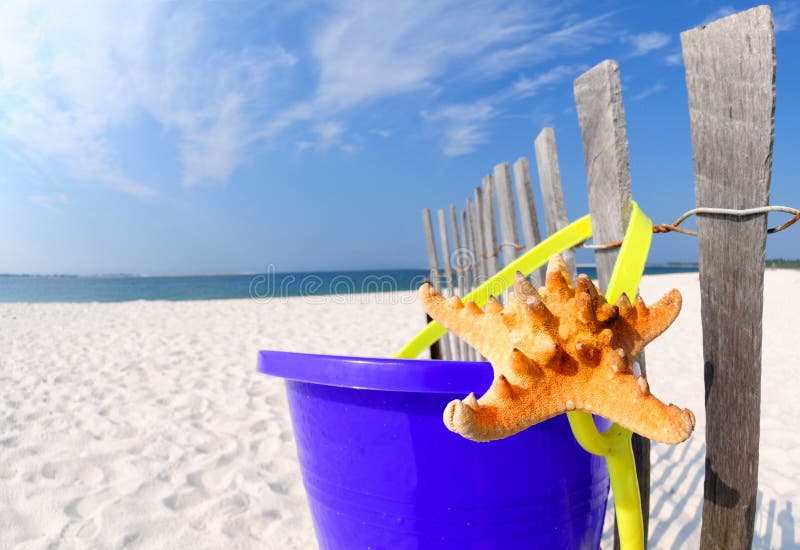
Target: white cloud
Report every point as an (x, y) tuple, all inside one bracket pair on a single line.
[(376, 49), (68, 82), (674, 59), (71, 73), (575, 37), (647, 42), (462, 126), (463, 139), (50, 201), (329, 135), (786, 15), (465, 125), (461, 112), (525, 87), (647, 92), (303, 145), (367, 51)]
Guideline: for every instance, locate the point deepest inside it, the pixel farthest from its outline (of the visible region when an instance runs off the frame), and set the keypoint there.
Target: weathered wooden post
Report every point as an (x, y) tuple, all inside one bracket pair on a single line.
[(730, 76), (598, 98), (462, 270), (469, 257), (433, 262), (505, 211), (555, 211), (489, 228), (527, 211), (449, 341), (476, 222)]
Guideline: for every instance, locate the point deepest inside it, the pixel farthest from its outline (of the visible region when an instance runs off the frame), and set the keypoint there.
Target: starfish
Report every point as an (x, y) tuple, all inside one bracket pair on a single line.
[(559, 349)]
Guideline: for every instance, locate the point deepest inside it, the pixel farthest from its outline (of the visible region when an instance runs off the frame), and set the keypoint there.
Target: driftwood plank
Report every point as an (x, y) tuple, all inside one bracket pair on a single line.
[(505, 211), (433, 262), (461, 267), (598, 98), (527, 212), (555, 211), (489, 227), (450, 345), (730, 76)]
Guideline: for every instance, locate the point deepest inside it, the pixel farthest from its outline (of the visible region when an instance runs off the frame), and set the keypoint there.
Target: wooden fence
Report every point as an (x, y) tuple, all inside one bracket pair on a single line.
[(730, 77)]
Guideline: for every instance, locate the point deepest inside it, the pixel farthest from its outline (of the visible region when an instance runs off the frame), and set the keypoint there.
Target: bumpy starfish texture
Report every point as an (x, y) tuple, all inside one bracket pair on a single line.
[(559, 349)]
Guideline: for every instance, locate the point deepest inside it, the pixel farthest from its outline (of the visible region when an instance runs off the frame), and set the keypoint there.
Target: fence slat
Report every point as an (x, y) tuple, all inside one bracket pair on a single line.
[(457, 259), (449, 340), (476, 221), (505, 211), (433, 262), (430, 241), (489, 227), (527, 212), (598, 98), (469, 256), (730, 72), (555, 211)]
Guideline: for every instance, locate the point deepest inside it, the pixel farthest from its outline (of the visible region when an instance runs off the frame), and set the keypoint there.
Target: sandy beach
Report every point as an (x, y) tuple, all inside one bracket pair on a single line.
[(145, 424)]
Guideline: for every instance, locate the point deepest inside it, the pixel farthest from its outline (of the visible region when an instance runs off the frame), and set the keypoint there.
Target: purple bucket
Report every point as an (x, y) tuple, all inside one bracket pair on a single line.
[(381, 470)]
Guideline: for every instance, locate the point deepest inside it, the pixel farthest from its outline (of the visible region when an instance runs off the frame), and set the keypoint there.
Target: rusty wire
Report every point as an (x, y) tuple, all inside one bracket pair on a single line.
[(669, 227), (499, 249)]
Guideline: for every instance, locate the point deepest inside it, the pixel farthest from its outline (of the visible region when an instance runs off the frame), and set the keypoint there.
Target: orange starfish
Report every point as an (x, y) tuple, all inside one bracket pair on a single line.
[(556, 350)]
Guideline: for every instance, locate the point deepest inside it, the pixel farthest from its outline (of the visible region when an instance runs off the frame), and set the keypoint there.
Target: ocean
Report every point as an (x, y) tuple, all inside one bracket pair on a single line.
[(123, 288)]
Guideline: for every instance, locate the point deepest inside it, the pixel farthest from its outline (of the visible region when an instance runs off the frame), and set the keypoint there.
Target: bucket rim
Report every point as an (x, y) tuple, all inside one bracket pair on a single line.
[(378, 373)]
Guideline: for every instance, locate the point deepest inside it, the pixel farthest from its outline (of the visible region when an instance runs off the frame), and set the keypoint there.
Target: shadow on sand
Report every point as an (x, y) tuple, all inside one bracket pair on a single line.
[(766, 523), (689, 488), (676, 511), (679, 490)]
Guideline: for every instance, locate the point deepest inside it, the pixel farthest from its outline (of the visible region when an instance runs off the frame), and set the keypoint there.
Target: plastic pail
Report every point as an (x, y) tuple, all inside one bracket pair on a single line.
[(381, 470)]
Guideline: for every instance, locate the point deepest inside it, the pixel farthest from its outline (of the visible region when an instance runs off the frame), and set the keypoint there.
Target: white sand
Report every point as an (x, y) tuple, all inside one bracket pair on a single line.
[(144, 424)]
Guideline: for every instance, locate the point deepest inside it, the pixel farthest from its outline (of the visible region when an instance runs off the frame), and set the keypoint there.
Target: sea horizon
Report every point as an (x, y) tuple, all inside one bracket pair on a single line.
[(113, 275), (270, 284), (145, 275)]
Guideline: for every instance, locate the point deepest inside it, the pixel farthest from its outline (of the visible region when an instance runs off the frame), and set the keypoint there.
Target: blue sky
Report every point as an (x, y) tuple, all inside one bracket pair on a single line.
[(191, 137)]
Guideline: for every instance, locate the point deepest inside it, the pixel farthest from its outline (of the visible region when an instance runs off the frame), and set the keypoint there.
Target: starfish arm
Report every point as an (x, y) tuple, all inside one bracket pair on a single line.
[(477, 424), (496, 415), (638, 324), (558, 284), (658, 317), (508, 407), (483, 331), (627, 401), (493, 305)]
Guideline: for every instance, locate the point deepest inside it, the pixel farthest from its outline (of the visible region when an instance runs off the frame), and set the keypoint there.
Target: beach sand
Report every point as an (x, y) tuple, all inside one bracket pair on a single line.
[(145, 425)]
